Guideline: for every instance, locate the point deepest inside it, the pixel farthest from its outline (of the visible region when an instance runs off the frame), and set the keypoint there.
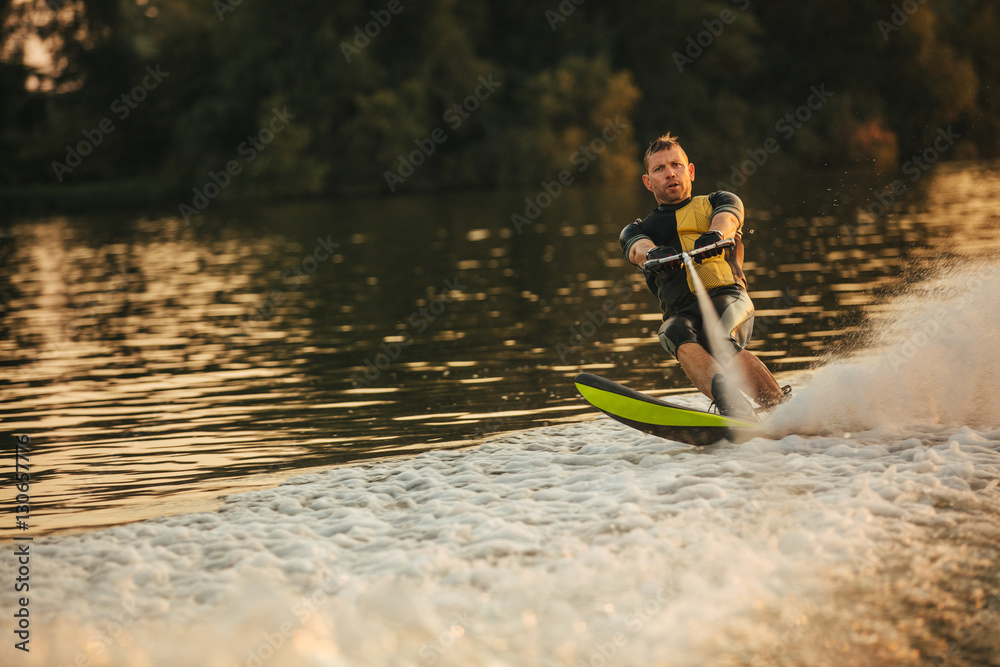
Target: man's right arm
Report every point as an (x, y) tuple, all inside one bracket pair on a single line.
[(637, 253), (635, 244)]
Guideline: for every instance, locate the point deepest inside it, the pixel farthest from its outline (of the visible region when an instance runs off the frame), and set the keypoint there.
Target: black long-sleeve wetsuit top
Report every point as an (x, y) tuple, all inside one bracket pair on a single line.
[(678, 226)]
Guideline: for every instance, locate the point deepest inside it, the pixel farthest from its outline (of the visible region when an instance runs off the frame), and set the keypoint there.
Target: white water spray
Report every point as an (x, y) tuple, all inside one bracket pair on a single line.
[(932, 359)]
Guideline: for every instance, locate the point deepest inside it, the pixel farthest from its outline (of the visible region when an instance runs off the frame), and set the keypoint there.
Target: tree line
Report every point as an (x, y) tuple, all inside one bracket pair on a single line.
[(385, 96)]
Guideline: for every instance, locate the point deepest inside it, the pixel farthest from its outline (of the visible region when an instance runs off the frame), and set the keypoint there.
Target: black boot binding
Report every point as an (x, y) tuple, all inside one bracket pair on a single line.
[(730, 403)]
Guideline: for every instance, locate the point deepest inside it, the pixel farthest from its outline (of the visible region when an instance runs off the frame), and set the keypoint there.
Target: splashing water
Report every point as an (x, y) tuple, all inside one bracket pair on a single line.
[(931, 359), (592, 544)]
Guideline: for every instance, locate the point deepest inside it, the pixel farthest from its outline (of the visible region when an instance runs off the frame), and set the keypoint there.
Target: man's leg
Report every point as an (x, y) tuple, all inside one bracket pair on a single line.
[(699, 366), (761, 384), (736, 320), (678, 335)]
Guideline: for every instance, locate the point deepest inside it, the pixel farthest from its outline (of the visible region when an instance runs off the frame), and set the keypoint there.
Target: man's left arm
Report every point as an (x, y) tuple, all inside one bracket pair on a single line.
[(727, 221)]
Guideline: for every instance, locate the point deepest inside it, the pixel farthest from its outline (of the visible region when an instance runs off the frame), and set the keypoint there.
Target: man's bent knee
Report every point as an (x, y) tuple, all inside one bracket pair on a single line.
[(675, 332)]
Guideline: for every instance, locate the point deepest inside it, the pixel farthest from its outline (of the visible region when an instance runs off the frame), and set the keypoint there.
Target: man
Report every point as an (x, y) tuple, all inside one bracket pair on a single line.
[(682, 222)]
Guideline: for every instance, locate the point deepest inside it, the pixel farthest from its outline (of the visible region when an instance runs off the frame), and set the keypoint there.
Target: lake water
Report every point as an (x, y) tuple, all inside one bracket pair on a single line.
[(152, 362), (159, 367)]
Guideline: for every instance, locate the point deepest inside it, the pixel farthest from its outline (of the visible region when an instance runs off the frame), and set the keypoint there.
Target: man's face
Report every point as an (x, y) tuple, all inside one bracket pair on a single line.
[(669, 176)]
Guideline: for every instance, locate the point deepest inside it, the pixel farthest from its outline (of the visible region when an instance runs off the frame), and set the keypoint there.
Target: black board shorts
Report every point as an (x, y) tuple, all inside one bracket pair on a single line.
[(684, 324)]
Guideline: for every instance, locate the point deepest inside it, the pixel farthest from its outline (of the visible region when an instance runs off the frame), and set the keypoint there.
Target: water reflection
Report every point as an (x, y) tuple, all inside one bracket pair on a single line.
[(154, 363)]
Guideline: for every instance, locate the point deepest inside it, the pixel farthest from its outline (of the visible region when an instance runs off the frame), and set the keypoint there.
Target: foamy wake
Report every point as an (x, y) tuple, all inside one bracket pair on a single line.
[(591, 543), (583, 544)]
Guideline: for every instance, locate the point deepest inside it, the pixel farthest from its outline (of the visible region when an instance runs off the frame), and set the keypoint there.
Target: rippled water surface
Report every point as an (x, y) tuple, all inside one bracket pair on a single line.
[(157, 366)]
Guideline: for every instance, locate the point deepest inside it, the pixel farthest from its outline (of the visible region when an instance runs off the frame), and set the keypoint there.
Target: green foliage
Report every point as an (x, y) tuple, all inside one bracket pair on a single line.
[(556, 114), (370, 82)]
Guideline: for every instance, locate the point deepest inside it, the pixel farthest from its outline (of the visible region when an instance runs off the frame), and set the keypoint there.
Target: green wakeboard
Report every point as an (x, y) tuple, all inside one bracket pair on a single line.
[(658, 417)]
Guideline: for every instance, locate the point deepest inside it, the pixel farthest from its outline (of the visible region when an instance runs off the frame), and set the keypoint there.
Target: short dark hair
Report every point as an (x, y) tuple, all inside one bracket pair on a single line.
[(662, 143)]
